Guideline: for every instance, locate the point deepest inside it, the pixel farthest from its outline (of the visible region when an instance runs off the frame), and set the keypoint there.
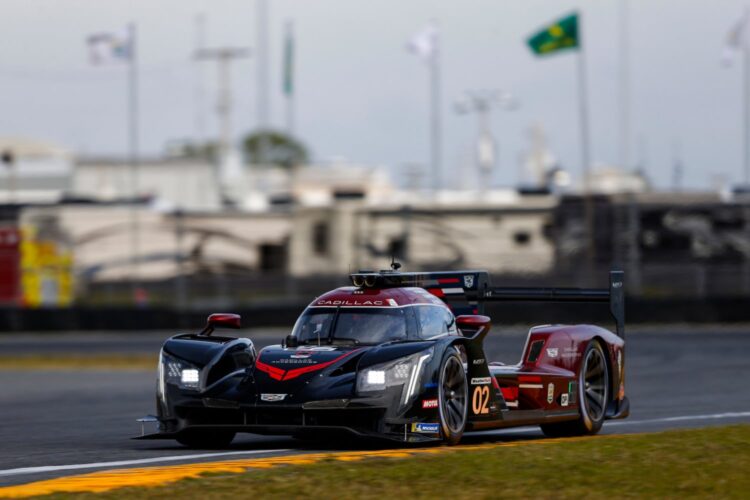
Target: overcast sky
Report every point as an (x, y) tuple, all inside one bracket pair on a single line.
[(362, 96)]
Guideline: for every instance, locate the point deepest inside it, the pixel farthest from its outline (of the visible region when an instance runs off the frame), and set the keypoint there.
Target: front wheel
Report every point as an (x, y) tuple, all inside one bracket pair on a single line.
[(593, 396), (453, 398), (205, 439)]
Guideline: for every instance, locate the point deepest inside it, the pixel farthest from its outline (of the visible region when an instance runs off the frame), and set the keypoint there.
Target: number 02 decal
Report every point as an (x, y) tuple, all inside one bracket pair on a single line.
[(480, 399)]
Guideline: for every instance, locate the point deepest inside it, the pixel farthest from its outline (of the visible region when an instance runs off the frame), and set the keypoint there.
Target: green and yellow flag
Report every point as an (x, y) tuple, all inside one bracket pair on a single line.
[(559, 36)]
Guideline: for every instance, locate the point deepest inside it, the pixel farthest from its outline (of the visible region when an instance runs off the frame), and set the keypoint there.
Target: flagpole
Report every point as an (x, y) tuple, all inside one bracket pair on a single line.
[(199, 92), (584, 133), (263, 102), (289, 74), (746, 97), (624, 85), (746, 130), (435, 118), (133, 154)]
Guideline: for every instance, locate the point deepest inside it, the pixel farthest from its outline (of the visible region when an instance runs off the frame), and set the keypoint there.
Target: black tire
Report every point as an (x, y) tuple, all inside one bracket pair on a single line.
[(206, 439), (453, 397), (593, 396)]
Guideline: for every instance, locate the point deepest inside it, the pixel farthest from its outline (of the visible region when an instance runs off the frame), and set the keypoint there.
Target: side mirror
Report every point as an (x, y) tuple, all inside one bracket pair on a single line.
[(221, 320), (472, 325), (291, 341)]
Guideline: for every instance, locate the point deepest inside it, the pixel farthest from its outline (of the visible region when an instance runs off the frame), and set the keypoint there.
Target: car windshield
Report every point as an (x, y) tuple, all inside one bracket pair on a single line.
[(354, 325)]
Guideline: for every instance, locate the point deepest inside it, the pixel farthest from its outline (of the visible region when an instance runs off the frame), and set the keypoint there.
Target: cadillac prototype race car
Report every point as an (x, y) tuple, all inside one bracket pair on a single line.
[(399, 356)]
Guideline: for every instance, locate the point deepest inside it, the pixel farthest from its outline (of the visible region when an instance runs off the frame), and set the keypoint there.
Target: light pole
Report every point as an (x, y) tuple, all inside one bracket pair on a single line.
[(134, 160), (224, 56), (481, 103), (426, 45)]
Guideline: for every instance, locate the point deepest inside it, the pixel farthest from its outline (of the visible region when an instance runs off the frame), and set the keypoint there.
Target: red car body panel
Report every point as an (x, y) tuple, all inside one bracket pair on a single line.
[(557, 364), (544, 382)]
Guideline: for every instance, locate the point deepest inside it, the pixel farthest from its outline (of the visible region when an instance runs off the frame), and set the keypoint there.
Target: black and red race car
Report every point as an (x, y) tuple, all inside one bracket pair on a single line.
[(400, 356)]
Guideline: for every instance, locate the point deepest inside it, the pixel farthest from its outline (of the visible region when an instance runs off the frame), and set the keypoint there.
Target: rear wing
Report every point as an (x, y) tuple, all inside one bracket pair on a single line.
[(466, 292)]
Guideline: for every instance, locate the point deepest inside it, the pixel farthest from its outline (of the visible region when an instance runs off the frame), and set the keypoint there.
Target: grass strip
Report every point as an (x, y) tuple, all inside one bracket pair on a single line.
[(706, 463)]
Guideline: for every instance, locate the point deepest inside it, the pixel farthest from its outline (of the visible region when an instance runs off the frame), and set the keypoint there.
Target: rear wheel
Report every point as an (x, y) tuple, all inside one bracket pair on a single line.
[(593, 396), (205, 439), (453, 397)]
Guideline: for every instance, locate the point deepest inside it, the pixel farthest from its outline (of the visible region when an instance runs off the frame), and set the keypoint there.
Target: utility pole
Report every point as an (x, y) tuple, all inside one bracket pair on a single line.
[(199, 92), (224, 56), (481, 102), (263, 103), (133, 147)]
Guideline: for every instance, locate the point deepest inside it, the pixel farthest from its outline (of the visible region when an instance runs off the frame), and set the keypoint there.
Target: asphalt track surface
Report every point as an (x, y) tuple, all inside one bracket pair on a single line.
[(57, 423)]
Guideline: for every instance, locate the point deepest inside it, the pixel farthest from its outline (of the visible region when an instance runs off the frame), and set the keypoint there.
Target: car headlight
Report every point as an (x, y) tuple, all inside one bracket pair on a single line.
[(177, 372), (406, 372)]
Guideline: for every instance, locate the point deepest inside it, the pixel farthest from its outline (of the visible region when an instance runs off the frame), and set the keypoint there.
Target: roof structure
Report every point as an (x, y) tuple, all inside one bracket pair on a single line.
[(351, 296)]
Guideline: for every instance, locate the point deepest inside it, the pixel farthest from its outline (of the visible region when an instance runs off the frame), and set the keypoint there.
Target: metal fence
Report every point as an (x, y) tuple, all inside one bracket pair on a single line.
[(649, 281)]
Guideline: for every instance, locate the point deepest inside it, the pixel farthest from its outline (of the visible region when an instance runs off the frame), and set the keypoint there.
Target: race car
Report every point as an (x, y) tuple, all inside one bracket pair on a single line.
[(399, 356)]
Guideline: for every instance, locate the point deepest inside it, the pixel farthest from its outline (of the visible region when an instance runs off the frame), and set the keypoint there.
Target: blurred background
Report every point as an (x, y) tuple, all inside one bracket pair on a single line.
[(162, 160)]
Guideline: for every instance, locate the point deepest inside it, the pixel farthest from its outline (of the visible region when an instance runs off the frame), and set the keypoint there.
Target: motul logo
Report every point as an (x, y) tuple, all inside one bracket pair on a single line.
[(429, 403)]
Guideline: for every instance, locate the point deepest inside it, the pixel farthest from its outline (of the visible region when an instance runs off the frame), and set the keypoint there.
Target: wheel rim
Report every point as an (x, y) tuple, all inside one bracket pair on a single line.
[(595, 384), (453, 396)]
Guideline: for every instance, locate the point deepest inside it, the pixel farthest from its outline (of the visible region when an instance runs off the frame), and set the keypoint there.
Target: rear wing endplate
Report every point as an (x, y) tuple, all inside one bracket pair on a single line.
[(615, 295)]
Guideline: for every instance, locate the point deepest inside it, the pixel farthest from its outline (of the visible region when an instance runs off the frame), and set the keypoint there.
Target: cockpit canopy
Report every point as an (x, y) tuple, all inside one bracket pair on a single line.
[(373, 325)]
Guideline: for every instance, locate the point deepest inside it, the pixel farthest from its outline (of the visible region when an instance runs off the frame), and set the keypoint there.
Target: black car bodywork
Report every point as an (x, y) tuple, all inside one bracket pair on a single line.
[(393, 389)]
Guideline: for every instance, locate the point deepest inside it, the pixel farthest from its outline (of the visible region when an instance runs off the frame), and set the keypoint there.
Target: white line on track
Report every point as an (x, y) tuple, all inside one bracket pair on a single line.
[(177, 458), (682, 418), (714, 416), (96, 465)]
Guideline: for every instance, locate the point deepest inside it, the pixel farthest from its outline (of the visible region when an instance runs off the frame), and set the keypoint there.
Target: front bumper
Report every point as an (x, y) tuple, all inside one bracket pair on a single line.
[(371, 417), (368, 422)]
